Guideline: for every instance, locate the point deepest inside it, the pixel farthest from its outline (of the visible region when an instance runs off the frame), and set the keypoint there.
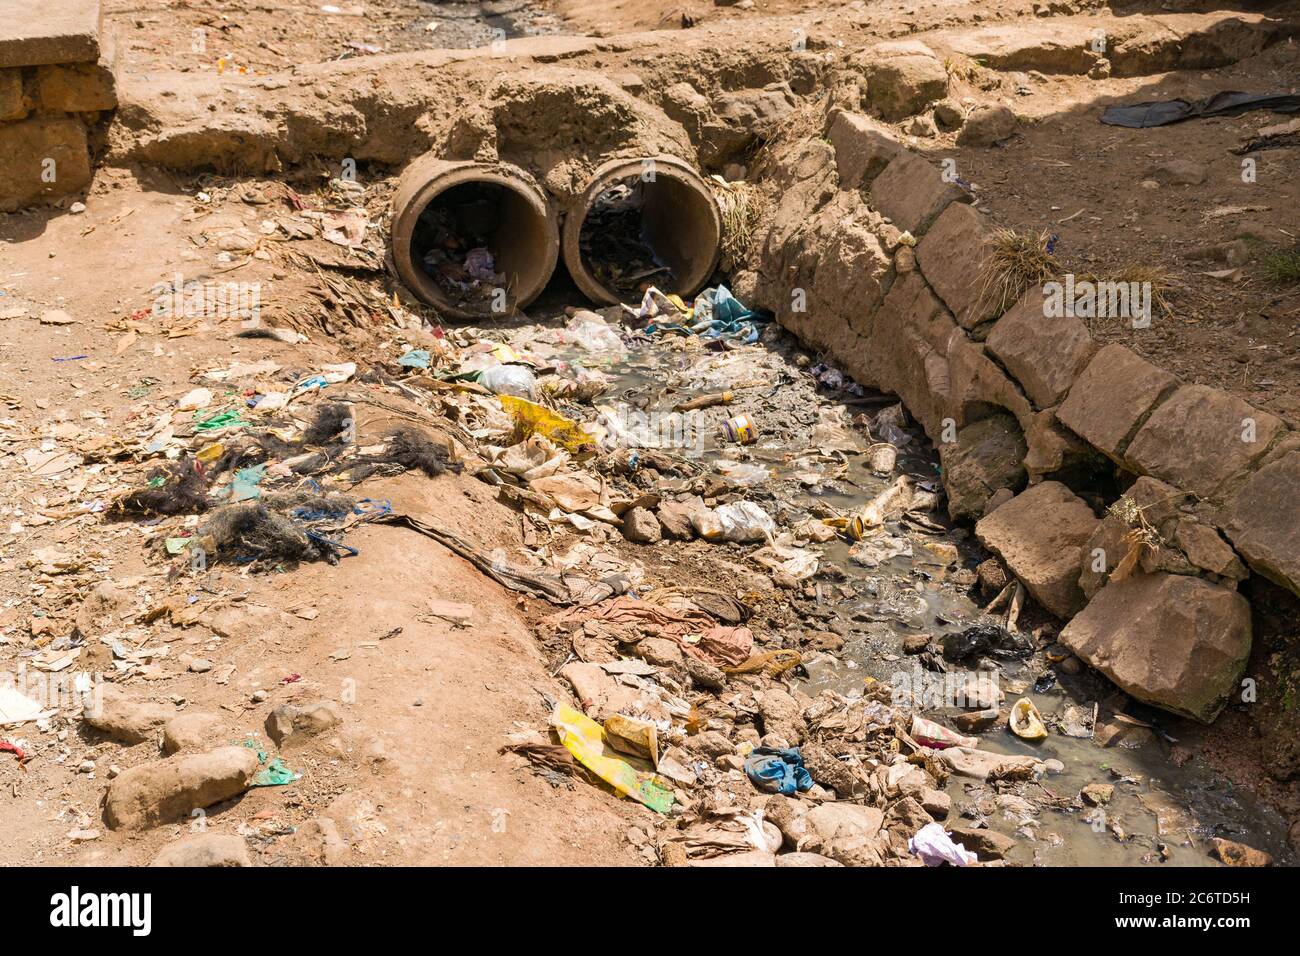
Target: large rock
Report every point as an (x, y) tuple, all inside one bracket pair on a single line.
[(205, 849), (66, 31), (1263, 521), (987, 126), (1170, 640), (76, 88), (904, 353), (912, 193), (1039, 534), (1200, 437), (1045, 355), (846, 832), (125, 719), (297, 722), (863, 148), (987, 456), (167, 791), (1051, 46), (13, 103), (42, 159), (903, 78), (190, 731), (1111, 397), (952, 256)]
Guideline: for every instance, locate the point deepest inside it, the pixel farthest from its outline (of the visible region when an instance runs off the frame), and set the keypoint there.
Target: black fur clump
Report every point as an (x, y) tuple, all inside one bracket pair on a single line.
[(413, 449), (406, 449), (255, 532), (184, 491), (330, 421)]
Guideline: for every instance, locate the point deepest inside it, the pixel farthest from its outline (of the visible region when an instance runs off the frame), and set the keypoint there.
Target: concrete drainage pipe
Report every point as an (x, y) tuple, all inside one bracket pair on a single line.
[(662, 208), (446, 212)]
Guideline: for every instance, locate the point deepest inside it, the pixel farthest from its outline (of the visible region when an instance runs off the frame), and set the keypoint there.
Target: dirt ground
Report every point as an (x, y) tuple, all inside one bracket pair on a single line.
[(413, 775), (415, 778), (1101, 191)]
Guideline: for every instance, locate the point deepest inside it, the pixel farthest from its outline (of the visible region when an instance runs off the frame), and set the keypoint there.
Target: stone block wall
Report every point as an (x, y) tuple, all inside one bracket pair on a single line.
[(869, 255), (57, 85)]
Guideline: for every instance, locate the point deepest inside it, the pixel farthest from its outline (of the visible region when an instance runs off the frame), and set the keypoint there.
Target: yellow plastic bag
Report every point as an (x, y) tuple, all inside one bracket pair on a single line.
[(533, 419), (585, 739)]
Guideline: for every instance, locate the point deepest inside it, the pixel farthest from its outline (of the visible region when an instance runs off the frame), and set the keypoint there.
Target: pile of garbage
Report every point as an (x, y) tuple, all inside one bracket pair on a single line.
[(661, 424), (453, 235), (614, 244)]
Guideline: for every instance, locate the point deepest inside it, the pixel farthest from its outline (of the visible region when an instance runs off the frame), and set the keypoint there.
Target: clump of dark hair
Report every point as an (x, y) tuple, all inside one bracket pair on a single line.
[(330, 421), (406, 449), (291, 525), (182, 491)]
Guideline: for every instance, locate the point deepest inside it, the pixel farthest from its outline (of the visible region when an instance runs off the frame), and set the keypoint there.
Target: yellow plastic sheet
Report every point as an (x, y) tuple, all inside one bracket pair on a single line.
[(533, 419), (585, 739)]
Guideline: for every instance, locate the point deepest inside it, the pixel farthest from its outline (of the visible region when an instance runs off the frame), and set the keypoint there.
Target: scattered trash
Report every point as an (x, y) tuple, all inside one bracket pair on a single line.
[(585, 740), (933, 844), (1025, 721), (773, 770)]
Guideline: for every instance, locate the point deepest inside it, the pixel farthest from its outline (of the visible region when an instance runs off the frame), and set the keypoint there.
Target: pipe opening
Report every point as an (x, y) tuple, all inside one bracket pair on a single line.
[(473, 241), (638, 225), (477, 241)]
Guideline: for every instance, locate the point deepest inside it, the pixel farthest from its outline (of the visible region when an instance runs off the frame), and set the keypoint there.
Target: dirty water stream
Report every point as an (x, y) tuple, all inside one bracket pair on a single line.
[(813, 440)]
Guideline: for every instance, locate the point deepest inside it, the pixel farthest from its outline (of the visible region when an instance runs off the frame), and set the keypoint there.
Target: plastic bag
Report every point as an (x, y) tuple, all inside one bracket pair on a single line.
[(739, 521), (591, 332), (934, 846), (585, 739), (742, 474), (532, 419), (516, 380)]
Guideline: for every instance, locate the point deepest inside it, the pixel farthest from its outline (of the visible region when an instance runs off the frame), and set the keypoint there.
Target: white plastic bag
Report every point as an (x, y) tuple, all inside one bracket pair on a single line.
[(516, 380)]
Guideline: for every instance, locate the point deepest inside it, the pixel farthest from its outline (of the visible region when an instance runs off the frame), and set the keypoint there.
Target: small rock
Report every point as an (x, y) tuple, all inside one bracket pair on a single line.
[(205, 849), (949, 115), (977, 721), (1097, 794), (190, 731), (77, 208), (200, 665), (1231, 853), (936, 803), (640, 526), (125, 720), (660, 651), (987, 125), (915, 643), (984, 843), (83, 836), (292, 720)]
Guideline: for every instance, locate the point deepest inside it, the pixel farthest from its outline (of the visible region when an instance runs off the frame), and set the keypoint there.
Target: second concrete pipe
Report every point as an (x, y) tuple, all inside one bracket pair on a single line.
[(679, 221)]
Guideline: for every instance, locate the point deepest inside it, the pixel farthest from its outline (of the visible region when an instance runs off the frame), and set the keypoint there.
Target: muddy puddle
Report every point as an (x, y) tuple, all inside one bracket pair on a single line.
[(456, 25), (913, 577)]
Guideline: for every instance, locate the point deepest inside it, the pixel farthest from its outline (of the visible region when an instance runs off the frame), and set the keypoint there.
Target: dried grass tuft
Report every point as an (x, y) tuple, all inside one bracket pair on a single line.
[(1014, 263)]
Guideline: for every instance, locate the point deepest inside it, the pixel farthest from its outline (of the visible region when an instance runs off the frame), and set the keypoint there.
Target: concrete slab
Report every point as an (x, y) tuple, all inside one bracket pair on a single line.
[(51, 31)]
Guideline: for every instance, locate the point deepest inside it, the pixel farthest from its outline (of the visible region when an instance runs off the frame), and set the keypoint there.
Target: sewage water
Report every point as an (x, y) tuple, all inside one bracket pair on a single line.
[(813, 444)]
